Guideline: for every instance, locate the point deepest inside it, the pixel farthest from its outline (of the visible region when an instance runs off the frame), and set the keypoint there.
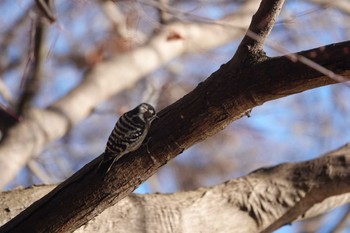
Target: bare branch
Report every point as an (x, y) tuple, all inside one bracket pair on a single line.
[(250, 203), (45, 10), (330, 176), (251, 48), (225, 96), (259, 29), (103, 81), (164, 15), (33, 76)]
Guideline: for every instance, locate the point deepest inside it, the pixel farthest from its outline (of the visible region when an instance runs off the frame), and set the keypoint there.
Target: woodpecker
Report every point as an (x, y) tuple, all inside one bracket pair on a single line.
[(128, 134)]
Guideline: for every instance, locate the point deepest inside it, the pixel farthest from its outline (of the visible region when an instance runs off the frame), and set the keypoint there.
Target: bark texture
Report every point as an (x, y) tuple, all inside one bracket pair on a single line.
[(225, 96), (42, 126), (269, 196)]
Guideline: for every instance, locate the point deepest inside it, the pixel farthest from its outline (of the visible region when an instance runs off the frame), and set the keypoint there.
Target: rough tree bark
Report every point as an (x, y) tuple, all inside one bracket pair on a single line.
[(248, 204), (42, 126), (246, 81)]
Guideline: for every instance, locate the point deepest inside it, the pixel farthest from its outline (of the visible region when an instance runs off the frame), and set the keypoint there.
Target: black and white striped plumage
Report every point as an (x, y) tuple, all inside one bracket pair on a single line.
[(129, 133)]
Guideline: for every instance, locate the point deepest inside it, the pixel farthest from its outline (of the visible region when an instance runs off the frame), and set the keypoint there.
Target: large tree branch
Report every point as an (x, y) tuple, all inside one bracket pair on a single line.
[(107, 79), (225, 96), (249, 204)]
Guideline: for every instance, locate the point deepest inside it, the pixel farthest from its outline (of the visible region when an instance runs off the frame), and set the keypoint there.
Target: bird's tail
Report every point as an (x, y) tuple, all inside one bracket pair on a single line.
[(105, 165)]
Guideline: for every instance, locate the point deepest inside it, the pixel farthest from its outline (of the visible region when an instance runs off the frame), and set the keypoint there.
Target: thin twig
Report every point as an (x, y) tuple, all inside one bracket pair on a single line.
[(32, 78)]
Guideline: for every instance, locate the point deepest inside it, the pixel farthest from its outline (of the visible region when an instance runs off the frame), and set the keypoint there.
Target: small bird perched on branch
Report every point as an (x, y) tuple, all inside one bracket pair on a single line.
[(128, 134)]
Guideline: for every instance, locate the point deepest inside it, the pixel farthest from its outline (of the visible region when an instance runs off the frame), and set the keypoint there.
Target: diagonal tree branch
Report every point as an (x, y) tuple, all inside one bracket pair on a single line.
[(259, 28), (225, 96), (104, 80)]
